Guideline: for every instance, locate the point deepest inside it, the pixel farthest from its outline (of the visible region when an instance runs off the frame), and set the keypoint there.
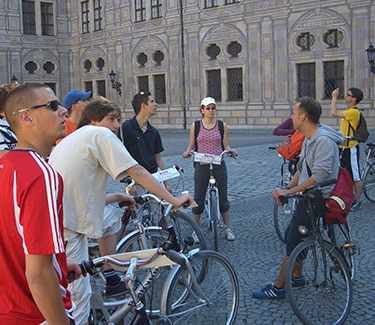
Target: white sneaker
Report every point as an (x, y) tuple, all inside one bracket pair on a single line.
[(229, 235), (195, 237)]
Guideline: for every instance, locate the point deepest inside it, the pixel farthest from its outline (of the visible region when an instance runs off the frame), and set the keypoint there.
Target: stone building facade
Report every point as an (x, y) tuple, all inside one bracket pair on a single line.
[(254, 56)]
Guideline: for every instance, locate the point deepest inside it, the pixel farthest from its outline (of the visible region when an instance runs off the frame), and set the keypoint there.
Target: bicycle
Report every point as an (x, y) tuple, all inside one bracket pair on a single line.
[(368, 175), (174, 226), (212, 204), (326, 268), (282, 215), (184, 294)]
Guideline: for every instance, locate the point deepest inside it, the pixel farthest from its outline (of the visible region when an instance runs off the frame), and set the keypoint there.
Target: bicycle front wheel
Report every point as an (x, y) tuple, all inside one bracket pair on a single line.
[(324, 294), (369, 183), (214, 301)]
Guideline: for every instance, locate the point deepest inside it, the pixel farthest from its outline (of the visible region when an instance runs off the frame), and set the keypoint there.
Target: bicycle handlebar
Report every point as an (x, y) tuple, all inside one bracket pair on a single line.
[(92, 265), (317, 186)]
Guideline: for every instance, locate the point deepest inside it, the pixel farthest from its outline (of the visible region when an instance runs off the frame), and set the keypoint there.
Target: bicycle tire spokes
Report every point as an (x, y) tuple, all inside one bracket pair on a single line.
[(325, 296), (214, 299)]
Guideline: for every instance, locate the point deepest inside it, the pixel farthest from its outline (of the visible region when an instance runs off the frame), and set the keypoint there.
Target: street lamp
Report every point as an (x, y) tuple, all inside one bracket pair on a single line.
[(116, 84), (371, 57), (14, 80)]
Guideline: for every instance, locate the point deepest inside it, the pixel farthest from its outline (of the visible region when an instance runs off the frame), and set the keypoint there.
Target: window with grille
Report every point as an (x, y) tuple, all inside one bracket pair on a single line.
[(234, 84), (159, 88), (28, 17), (306, 80), (100, 88), (214, 84), (88, 86), (333, 78), (85, 16), (97, 15), (46, 11), (156, 9), (143, 84), (140, 10), (51, 85), (229, 2), (210, 3)]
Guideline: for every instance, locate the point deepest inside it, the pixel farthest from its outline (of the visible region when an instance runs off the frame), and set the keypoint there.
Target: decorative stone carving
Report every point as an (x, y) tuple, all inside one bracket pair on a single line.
[(31, 67), (158, 57), (305, 41), (213, 51), (234, 48), (142, 59), (100, 64), (333, 38), (49, 67), (87, 65)]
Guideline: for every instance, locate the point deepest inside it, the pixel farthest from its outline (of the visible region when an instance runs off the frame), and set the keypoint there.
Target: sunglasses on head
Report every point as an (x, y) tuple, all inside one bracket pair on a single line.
[(52, 105)]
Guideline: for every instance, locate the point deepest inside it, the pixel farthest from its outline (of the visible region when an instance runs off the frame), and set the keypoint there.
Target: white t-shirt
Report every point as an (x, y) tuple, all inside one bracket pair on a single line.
[(85, 158)]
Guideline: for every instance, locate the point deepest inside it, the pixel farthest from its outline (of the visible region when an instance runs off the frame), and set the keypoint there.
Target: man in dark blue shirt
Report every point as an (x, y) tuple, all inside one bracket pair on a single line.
[(140, 138)]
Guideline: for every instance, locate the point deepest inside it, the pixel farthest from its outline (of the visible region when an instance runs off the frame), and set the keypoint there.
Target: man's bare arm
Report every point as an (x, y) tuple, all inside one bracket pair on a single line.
[(44, 286)]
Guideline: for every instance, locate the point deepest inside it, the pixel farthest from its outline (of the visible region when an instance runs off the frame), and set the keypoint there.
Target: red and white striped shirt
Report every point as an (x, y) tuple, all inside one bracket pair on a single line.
[(31, 223)]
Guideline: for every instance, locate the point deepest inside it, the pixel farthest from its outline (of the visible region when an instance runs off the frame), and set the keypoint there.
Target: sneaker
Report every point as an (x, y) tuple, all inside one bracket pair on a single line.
[(195, 237), (229, 235), (269, 292), (356, 206)]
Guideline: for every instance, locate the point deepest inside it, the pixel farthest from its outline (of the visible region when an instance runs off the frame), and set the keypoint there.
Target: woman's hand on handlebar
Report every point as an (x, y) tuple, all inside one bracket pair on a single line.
[(187, 154), (232, 153)]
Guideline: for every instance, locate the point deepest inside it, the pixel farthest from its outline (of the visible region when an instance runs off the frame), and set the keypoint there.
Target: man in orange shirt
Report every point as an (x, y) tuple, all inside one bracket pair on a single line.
[(75, 101)]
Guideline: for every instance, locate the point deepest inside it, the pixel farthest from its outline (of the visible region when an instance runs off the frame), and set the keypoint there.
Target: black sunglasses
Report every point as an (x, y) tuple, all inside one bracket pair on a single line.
[(52, 105), (208, 108)]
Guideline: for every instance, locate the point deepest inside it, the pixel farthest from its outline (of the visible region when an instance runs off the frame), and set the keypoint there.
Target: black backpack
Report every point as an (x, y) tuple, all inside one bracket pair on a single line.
[(361, 133), (197, 127)]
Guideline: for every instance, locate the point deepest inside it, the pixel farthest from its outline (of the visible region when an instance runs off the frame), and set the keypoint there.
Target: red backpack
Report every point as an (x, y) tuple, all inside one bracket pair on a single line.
[(340, 200), (291, 148)]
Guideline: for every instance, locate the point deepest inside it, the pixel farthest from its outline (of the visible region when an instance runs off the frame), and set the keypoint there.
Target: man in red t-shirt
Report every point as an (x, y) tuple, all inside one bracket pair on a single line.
[(33, 268)]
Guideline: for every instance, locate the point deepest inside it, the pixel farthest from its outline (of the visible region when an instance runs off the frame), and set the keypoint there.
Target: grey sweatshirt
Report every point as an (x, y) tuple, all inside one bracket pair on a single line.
[(321, 152)]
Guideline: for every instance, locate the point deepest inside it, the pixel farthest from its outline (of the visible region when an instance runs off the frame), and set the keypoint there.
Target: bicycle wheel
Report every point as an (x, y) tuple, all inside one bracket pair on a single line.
[(369, 182), (281, 218), (154, 237), (340, 237), (325, 297), (103, 308), (214, 301), (214, 215), (184, 226)]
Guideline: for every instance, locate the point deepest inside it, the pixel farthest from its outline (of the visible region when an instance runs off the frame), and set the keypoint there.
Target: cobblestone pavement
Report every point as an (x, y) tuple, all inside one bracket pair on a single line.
[(257, 251)]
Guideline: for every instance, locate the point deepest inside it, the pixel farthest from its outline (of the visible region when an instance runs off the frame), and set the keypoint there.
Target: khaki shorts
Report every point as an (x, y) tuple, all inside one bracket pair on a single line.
[(112, 219)]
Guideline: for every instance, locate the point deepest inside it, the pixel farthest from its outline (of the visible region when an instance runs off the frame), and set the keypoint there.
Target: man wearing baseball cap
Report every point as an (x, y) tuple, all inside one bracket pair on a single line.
[(75, 102)]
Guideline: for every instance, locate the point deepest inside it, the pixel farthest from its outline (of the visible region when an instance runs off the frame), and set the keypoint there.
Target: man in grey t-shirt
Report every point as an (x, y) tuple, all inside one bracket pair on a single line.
[(319, 162)]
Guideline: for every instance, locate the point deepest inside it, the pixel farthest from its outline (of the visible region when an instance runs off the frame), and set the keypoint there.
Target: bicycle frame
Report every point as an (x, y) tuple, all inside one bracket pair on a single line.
[(151, 259), (212, 190)]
